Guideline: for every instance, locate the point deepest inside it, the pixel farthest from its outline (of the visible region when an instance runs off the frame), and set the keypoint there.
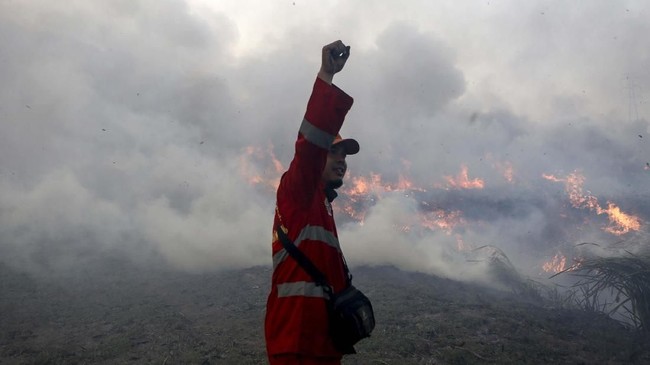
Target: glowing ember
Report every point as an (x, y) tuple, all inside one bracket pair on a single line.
[(552, 178), (358, 215), (439, 219), (462, 181), (556, 264)]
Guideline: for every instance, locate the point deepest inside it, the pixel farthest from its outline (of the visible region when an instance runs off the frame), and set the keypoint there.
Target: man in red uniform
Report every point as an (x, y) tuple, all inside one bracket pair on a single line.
[(296, 324)]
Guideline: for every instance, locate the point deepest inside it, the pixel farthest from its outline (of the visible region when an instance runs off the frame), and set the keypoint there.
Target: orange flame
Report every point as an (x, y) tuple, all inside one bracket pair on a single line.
[(556, 264), (620, 222), (373, 188), (254, 157), (363, 186), (360, 192), (552, 178), (405, 184), (358, 215), (374, 184), (462, 181)]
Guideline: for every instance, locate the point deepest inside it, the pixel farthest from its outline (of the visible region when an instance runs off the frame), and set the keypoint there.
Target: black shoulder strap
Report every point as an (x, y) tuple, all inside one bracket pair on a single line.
[(302, 260)]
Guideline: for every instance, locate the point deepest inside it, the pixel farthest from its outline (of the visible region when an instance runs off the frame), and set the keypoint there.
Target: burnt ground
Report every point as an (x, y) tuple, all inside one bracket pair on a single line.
[(114, 312)]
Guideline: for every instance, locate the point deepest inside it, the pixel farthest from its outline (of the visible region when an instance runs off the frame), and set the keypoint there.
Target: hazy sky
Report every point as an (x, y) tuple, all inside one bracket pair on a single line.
[(128, 125)]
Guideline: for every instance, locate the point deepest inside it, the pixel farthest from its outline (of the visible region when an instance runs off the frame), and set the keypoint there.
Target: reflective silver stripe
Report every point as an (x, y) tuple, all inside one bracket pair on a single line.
[(279, 257), (315, 135), (300, 288), (316, 233)]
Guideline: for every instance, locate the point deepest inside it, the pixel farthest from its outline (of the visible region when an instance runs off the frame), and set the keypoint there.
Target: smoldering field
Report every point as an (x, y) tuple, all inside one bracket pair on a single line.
[(119, 312), (142, 140), (72, 298)]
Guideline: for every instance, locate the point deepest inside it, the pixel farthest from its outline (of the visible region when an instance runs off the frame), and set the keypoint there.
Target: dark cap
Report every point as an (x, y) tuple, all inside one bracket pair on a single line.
[(350, 145)]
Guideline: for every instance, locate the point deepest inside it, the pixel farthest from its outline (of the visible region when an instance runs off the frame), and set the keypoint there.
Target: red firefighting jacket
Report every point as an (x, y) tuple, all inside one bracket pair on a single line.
[(296, 315)]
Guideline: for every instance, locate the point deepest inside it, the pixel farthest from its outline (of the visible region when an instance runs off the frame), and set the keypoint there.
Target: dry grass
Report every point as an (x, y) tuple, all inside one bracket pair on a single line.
[(615, 285), (503, 272)]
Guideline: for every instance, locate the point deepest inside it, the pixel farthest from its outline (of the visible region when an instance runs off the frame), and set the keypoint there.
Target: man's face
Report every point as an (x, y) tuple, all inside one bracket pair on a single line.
[(335, 167)]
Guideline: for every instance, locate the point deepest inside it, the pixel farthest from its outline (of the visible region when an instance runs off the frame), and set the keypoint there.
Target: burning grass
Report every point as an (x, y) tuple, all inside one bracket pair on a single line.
[(618, 286)]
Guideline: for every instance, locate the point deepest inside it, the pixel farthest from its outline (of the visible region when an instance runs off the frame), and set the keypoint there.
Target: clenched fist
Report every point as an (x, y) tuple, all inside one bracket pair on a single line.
[(334, 57)]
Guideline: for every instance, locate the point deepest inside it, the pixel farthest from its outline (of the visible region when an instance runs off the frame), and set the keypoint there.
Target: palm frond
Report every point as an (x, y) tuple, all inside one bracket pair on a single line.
[(626, 278)]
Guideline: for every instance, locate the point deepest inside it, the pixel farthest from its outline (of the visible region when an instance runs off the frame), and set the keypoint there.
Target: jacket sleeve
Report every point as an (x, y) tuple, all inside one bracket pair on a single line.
[(326, 111)]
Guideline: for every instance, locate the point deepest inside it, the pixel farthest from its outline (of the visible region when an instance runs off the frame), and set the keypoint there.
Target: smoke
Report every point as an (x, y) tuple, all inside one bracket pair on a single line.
[(125, 126), (120, 132), (388, 237)]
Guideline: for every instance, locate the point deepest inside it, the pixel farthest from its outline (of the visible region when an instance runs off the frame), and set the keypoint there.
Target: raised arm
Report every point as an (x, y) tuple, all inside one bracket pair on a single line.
[(323, 119)]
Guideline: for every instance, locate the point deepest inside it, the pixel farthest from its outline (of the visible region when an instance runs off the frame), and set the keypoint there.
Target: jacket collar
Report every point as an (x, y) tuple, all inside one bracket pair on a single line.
[(330, 193)]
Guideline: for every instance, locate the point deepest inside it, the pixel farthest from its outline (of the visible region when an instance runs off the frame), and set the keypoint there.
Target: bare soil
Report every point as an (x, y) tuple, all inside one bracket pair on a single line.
[(116, 312)]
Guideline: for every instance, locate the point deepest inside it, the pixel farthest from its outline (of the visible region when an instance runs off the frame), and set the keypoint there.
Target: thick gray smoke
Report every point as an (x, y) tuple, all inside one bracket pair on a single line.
[(128, 126)]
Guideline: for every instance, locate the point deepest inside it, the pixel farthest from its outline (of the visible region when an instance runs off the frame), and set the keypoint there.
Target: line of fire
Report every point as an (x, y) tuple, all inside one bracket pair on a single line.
[(566, 228), (261, 168)]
